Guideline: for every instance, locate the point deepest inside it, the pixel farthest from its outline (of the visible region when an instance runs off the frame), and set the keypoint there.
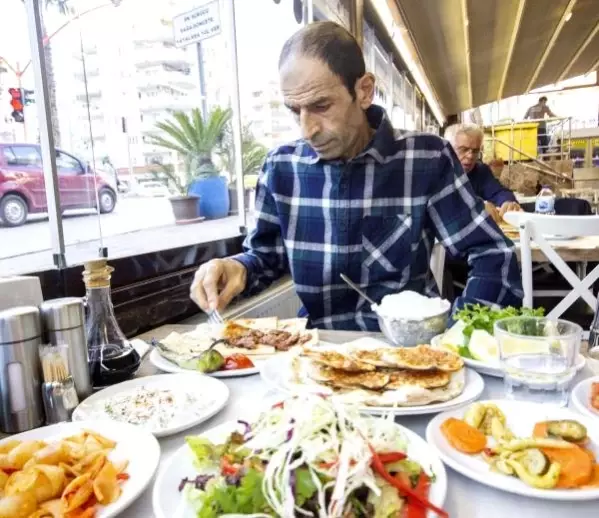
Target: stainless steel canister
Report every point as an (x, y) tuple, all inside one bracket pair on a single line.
[(64, 323), (20, 388)]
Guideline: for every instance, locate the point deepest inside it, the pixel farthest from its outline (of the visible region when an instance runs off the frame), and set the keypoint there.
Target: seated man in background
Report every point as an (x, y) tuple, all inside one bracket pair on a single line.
[(467, 141)]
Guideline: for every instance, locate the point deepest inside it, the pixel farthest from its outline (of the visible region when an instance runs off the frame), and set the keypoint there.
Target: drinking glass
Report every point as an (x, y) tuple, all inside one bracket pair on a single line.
[(538, 357)]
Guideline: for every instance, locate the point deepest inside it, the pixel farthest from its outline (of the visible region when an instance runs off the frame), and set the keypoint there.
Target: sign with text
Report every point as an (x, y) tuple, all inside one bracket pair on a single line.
[(197, 25)]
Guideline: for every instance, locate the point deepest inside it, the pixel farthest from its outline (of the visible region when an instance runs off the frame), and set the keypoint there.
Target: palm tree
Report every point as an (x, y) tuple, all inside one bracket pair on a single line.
[(194, 139), (253, 153), (62, 7)]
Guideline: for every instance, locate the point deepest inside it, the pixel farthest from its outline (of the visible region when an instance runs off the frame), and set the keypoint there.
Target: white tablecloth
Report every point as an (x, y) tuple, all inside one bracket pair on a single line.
[(465, 498)]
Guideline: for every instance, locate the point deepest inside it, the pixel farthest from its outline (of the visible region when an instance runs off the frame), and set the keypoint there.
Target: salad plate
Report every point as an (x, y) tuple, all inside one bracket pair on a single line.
[(232, 464), (494, 369), (160, 362), (585, 397), (551, 451), (472, 337), (164, 404)]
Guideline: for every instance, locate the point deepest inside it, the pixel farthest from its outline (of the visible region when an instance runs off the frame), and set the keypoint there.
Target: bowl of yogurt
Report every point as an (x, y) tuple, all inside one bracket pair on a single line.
[(408, 318)]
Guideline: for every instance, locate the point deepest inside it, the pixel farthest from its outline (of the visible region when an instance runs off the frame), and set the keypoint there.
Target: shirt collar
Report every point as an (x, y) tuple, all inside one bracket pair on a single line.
[(379, 145)]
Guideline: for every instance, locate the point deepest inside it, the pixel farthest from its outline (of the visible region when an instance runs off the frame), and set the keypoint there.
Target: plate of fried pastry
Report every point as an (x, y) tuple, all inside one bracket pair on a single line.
[(377, 377)]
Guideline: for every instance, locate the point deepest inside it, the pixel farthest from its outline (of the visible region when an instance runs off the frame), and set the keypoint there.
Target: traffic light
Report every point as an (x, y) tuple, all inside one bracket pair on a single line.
[(16, 101), (28, 97)]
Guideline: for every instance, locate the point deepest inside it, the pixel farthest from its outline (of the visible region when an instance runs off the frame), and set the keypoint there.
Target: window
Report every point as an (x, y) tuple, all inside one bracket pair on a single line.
[(67, 164), (27, 156)]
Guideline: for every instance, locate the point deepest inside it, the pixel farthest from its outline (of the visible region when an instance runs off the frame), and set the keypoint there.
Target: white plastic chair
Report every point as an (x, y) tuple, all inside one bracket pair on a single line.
[(536, 227), (437, 264)]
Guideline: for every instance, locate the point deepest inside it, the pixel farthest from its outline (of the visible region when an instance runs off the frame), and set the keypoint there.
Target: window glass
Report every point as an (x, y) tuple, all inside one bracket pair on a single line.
[(67, 164), (27, 156)]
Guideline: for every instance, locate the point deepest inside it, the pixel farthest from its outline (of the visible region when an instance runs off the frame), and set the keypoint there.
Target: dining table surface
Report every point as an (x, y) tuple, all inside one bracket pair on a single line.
[(466, 498)]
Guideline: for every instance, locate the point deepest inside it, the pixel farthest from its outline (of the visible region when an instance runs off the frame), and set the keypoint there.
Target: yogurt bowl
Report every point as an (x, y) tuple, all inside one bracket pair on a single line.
[(408, 319)]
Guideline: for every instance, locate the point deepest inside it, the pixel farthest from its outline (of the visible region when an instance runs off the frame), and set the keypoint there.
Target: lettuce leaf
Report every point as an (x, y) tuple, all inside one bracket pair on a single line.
[(247, 498)]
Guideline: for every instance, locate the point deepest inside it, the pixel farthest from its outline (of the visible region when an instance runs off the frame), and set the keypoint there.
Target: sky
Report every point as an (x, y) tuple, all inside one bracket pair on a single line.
[(262, 28)]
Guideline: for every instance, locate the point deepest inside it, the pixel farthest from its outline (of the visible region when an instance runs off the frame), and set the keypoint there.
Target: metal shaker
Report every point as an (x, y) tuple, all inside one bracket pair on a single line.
[(64, 323), (20, 395)]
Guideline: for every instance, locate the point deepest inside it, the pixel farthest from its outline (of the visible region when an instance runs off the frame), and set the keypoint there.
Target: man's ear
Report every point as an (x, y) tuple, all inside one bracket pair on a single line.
[(365, 90)]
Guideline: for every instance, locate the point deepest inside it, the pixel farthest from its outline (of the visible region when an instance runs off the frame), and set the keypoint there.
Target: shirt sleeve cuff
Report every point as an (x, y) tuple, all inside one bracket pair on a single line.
[(250, 265)]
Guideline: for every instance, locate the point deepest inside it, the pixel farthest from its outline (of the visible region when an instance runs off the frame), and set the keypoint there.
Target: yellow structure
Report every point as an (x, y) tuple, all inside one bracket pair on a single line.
[(521, 135)]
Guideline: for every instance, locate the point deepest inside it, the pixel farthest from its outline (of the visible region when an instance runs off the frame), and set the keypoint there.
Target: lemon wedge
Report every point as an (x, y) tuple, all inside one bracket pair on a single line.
[(513, 345), (483, 347), (454, 337)]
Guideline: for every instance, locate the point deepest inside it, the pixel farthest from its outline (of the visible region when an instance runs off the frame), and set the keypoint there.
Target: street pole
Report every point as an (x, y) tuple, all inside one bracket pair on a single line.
[(236, 108), (202, 80), (20, 87), (36, 36)]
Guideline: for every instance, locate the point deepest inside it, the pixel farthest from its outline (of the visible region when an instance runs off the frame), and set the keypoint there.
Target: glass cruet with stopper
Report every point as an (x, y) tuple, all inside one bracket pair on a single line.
[(111, 357)]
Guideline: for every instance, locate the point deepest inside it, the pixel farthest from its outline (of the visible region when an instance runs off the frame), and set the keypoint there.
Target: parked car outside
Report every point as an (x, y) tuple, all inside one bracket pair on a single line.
[(23, 189)]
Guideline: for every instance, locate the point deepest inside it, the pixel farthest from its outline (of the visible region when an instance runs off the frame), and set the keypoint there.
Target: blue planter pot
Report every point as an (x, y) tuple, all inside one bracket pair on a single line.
[(214, 196)]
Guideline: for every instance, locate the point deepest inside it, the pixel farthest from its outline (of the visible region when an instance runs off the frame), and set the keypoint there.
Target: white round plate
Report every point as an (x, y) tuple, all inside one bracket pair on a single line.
[(137, 446), (168, 501), (495, 370), (521, 416), (160, 362), (275, 373), (210, 393), (581, 397)]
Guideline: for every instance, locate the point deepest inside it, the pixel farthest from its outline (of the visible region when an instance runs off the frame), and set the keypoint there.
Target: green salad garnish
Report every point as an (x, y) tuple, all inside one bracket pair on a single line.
[(477, 316)]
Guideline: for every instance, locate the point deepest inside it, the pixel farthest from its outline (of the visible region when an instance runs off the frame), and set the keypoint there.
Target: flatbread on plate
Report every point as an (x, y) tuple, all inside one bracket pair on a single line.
[(409, 393), (420, 358)]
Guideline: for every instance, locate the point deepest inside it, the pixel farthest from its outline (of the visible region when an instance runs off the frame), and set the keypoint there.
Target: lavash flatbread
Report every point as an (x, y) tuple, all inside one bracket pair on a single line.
[(420, 358), (431, 377), (408, 394)]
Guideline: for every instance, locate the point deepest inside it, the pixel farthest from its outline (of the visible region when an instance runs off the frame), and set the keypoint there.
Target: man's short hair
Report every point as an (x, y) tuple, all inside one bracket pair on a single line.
[(331, 44), (452, 132), (541, 99)]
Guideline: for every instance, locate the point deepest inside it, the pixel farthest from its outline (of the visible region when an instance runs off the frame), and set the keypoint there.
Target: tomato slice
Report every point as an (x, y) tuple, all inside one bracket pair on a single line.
[(238, 361)]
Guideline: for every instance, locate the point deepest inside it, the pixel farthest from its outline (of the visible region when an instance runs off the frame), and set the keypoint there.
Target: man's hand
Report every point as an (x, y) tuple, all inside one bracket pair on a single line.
[(509, 206), (493, 212), (217, 282)]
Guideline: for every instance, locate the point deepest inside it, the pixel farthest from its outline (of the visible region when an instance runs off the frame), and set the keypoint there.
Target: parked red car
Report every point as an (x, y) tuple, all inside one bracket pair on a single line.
[(23, 190)]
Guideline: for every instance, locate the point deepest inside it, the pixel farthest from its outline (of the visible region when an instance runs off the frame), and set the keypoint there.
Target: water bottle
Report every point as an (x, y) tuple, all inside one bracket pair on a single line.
[(545, 202)]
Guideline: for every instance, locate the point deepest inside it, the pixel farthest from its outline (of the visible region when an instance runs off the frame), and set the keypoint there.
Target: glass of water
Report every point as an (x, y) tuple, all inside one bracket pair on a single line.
[(538, 357)]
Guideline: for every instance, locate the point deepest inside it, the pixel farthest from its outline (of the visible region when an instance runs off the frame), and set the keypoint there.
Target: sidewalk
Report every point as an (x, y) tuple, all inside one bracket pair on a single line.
[(129, 243)]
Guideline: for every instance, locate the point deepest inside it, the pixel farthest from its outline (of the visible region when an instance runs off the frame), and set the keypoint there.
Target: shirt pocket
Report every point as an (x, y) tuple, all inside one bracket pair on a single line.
[(386, 243)]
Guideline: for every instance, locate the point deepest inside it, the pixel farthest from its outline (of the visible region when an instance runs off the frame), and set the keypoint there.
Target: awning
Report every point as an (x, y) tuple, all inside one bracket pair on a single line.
[(478, 51)]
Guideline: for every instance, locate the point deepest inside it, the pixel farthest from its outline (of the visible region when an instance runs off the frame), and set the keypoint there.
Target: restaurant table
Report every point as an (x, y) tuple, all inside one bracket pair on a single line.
[(465, 497)]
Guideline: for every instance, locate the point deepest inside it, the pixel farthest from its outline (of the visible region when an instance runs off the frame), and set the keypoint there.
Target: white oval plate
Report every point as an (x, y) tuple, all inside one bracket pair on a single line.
[(160, 362), (275, 373), (137, 446), (521, 416), (496, 371), (168, 502), (581, 396), (195, 384)]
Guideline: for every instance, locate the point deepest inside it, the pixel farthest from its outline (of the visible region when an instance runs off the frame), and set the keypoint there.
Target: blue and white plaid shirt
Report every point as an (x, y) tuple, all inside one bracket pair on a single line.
[(374, 218)]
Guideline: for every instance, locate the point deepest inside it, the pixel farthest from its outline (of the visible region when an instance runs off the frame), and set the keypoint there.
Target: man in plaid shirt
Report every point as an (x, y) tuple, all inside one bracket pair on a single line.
[(353, 197)]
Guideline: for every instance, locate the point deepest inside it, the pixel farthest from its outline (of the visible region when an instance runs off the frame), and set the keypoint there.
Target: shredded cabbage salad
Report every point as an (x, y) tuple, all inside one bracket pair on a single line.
[(308, 456)]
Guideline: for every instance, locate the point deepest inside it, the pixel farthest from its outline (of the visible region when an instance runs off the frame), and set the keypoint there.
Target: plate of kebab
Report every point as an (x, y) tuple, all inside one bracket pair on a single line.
[(231, 349)]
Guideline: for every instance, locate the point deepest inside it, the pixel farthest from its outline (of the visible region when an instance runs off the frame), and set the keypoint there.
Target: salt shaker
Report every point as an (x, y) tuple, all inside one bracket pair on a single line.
[(64, 323)]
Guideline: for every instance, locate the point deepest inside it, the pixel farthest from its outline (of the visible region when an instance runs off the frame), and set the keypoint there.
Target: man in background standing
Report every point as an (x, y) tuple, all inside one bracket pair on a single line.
[(538, 111)]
